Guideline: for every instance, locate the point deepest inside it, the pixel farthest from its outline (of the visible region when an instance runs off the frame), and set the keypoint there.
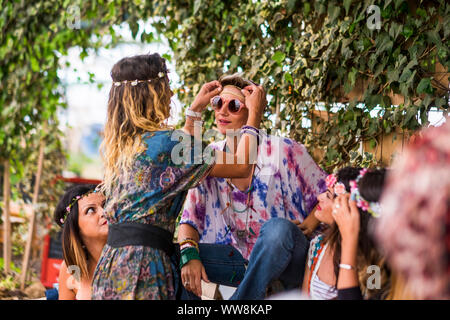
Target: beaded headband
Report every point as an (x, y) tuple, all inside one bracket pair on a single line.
[(240, 96), (338, 187), (373, 208), (75, 200), (135, 82)]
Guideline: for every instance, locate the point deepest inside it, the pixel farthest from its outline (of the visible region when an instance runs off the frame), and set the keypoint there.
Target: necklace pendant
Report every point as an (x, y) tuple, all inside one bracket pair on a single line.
[(241, 234)]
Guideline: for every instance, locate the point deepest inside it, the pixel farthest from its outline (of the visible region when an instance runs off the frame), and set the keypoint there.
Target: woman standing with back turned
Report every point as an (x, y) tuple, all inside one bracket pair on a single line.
[(145, 188)]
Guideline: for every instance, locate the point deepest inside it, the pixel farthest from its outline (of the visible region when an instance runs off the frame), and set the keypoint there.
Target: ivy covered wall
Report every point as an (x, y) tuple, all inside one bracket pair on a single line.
[(391, 56)]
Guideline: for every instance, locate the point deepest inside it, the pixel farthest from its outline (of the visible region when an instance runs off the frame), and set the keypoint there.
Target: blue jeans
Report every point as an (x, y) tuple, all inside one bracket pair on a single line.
[(279, 253)]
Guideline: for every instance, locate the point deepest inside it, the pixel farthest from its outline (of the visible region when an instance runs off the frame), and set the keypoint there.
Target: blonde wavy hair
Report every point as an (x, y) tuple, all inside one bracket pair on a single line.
[(133, 110)]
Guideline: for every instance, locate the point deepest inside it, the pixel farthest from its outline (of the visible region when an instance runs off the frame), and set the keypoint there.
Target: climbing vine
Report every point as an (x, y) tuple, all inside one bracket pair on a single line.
[(308, 54), (321, 54)]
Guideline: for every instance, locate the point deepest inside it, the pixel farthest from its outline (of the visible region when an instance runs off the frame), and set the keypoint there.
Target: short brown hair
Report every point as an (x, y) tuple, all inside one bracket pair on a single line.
[(235, 79)]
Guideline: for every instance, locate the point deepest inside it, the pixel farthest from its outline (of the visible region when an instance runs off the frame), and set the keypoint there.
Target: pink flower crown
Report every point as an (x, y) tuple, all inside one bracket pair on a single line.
[(332, 183), (75, 200), (373, 208)]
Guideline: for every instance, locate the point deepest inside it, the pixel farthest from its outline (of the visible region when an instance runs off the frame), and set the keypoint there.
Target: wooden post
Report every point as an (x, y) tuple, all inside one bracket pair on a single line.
[(388, 146), (6, 220), (31, 226)]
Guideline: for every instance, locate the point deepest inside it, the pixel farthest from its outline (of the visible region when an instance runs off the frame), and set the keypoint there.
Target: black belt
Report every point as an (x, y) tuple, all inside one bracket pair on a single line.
[(139, 234)]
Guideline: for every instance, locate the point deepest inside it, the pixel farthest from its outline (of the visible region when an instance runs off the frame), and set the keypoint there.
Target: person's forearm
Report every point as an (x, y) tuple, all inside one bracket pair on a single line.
[(246, 151), (348, 277), (187, 231), (311, 219), (237, 165), (254, 121), (190, 124)]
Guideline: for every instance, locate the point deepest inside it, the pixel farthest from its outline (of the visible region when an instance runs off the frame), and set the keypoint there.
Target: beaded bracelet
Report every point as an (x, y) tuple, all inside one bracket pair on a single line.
[(187, 255), (193, 114), (193, 242), (250, 128), (187, 245), (249, 132), (188, 240), (197, 123), (346, 266), (252, 133)]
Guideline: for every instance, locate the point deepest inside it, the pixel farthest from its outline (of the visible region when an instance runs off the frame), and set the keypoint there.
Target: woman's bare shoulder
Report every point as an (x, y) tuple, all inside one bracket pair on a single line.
[(63, 269)]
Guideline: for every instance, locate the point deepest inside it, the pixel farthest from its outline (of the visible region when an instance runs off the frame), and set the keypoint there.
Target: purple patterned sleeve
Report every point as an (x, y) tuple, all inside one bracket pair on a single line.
[(305, 178), (194, 210)]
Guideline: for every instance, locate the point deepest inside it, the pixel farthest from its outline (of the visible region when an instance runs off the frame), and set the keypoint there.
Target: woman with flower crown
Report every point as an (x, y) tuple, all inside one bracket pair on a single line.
[(346, 248), (84, 232), (146, 177)]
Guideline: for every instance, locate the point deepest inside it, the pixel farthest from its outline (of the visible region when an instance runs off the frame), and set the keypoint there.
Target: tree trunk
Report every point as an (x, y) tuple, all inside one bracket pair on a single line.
[(6, 220), (31, 226)]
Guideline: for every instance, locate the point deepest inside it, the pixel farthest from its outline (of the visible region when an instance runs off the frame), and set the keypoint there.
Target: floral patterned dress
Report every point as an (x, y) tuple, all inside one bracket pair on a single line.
[(153, 193)]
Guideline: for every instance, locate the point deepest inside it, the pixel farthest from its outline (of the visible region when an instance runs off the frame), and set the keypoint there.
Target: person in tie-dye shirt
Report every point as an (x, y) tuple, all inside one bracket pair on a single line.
[(247, 228)]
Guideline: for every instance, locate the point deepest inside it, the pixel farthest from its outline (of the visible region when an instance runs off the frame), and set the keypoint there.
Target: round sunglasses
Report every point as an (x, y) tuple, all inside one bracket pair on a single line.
[(234, 105)]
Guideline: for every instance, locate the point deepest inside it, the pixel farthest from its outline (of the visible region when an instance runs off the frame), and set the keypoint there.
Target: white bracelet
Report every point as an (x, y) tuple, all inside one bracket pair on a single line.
[(346, 266), (197, 123), (193, 114)]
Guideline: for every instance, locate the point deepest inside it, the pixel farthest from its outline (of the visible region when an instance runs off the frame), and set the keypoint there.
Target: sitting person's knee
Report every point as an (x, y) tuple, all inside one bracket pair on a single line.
[(276, 230)]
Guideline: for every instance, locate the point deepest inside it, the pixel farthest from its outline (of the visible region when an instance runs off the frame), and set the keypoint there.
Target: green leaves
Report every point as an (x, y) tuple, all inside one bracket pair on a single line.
[(278, 57), (307, 53), (383, 44), (347, 4), (424, 86), (408, 31), (197, 5), (34, 64), (288, 78), (234, 60)]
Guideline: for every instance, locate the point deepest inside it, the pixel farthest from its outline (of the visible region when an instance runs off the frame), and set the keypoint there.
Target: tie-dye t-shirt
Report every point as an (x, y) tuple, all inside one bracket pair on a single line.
[(285, 184)]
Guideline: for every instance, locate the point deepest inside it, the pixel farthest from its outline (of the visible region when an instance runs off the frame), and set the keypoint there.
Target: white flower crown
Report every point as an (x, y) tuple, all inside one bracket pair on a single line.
[(135, 82)]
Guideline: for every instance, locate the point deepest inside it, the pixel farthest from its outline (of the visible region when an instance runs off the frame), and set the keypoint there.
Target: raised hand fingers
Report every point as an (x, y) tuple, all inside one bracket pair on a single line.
[(340, 209), (343, 203), (207, 91), (197, 285), (353, 208), (346, 217), (255, 92), (213, 87), (247, 91), (204, 275), (185, 278), (253, 88), (190, 282), (191, 275)]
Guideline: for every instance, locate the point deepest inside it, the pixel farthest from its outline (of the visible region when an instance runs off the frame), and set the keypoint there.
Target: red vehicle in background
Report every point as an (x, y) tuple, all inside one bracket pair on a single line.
[(52, 255)]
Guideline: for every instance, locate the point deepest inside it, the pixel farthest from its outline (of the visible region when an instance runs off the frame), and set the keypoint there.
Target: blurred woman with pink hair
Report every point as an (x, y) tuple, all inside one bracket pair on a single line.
[(414, 228)]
